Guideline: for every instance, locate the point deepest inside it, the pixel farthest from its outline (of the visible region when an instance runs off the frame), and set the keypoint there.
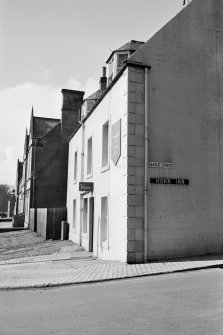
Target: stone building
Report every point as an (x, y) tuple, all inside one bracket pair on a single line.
[(145, 165), (42, 183)]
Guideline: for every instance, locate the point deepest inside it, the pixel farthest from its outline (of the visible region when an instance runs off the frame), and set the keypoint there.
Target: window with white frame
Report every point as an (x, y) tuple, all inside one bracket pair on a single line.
[(105, 144), (104, 219), (75, 165), (74, 213), (89, 156), (121, 59), (85, 214)]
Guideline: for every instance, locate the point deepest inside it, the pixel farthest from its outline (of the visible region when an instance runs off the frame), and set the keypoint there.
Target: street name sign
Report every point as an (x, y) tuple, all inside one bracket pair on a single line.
[(160, 165), (169, 181)]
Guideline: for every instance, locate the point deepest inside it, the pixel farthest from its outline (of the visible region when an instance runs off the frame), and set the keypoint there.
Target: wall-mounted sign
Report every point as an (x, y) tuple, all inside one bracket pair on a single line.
[(169, 181), (160, 165), (116, 141), (86, 187)]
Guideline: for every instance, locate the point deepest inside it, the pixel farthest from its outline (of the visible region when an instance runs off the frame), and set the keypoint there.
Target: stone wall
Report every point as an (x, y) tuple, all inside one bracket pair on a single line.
[(135, 181)]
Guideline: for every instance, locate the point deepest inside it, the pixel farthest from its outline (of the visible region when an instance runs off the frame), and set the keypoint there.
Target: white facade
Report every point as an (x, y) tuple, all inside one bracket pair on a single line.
[(166, 201), (110, 181)]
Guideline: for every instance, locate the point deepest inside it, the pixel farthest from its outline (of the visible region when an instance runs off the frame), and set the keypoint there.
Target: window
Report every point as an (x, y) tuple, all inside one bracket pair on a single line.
[(110, 79), (110, 71), (105, 144), (89, 156), (85, 212), (74, 213), (75, 166), (121, 58), (104, 219)]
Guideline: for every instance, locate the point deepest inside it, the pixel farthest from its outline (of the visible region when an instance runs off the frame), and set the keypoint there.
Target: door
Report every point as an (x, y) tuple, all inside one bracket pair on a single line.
[(91, 223)]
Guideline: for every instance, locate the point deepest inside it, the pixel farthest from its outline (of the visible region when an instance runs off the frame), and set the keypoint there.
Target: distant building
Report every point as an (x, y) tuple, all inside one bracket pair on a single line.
[(42, 176), (145, 165), (11, 203)]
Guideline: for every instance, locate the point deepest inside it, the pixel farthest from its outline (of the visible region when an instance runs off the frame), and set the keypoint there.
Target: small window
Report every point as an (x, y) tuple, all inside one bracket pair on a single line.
[(89, 156), (110, 71), (85, 213), (75, 166), (105, 144), (74, 213), (122, 59), (110, 79), (104, 219)]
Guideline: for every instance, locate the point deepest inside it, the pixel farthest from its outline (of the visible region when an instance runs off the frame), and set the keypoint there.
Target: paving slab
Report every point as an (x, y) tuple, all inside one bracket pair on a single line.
[(74, 268)]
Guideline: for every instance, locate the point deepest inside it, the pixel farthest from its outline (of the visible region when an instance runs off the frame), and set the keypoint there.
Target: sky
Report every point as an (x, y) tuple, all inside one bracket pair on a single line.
[(47, 45)]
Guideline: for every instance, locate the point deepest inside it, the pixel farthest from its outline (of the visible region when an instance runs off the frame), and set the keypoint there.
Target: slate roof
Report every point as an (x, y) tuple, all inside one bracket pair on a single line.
[(95, 96), (129, 46), (42, 125)]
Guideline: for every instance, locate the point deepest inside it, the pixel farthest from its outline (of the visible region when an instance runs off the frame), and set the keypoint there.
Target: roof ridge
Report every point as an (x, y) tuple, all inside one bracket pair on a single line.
[(45, 118)]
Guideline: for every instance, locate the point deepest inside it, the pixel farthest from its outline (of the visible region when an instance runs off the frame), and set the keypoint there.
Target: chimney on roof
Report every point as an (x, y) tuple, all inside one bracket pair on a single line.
[(103, 80), (71, 103)]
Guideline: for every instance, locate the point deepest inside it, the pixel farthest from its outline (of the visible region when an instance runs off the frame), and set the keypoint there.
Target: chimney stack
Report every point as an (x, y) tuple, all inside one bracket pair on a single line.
[(103, 80), (71, 103)]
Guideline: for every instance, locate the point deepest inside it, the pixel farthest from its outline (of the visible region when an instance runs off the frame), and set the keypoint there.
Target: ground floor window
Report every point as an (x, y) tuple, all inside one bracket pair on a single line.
[(104, 219), (74, 213), (85, 213)]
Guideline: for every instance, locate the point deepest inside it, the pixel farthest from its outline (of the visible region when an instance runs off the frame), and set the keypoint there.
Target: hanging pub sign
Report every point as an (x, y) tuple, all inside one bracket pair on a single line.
[(169, 181), (116, 141), (86, 187)]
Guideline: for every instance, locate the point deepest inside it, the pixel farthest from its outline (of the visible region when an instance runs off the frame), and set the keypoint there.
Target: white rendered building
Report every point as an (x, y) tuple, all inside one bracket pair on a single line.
[(151, 147)]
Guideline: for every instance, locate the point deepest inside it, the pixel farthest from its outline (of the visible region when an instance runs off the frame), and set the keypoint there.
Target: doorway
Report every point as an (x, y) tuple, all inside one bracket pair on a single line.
[(91, 223)]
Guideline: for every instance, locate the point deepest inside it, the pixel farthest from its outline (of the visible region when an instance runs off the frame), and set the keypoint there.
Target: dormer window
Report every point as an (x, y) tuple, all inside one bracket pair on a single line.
[(117, 59), (121, 59), (110, 70)]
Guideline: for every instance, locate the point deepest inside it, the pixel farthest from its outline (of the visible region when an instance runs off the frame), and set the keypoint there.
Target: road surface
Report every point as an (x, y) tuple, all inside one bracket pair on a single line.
[(183, 303)]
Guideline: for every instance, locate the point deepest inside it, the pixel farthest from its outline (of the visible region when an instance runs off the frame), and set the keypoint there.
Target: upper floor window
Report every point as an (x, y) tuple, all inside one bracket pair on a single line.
[(121, 58), (89, 156), (105, 144), (110, 70)]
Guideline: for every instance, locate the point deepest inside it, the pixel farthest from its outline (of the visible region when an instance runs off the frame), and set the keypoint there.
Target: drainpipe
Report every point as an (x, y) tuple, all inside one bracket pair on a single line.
[(146, 145), (82, 179)]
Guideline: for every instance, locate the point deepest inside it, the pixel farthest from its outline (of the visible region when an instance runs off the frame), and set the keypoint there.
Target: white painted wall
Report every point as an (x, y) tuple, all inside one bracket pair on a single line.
[(111, 183)]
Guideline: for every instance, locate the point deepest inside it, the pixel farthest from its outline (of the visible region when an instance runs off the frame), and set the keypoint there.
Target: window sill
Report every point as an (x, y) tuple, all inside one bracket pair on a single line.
[(90, 175), (74, 181), (105, 168), (85, 235)]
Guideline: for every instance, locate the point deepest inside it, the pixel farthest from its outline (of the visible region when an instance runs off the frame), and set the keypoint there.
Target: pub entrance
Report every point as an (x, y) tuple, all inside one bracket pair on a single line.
[(91, 223)]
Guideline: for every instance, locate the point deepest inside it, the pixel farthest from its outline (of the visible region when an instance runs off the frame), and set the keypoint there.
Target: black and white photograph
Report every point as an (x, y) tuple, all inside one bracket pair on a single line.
[(111, 167)]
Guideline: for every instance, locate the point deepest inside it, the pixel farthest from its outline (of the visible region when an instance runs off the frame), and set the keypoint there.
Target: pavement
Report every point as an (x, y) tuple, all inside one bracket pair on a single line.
[(81, 267), (28, 261)]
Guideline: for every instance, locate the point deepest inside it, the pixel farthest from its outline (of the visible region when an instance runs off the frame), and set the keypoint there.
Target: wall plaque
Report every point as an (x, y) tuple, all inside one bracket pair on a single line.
[(116, 141), (169, 181)]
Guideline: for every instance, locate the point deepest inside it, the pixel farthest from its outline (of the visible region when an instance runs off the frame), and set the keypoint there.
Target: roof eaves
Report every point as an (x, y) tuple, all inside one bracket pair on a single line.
[(128, 63)]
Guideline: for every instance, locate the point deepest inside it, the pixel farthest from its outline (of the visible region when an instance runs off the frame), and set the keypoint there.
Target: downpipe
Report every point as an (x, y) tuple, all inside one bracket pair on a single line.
[(146, 146)]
